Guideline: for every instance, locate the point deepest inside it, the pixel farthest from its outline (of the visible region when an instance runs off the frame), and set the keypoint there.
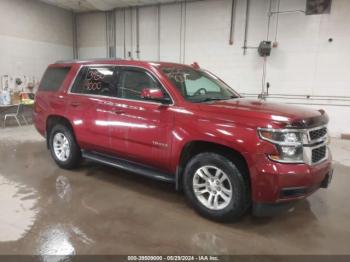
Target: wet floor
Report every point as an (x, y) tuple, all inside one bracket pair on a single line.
[(101, 210)]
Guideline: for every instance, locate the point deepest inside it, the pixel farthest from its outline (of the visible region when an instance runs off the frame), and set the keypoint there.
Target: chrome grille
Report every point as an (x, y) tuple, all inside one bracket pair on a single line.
[(315, 148), (318, 133), (318, 154)]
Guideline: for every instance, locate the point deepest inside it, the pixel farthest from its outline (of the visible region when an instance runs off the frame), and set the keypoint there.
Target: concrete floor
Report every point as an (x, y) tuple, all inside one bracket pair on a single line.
[(101, 210)]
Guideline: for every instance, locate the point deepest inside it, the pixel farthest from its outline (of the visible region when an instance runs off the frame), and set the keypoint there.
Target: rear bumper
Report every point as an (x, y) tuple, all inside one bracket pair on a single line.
[(275, 183), (39, 123)]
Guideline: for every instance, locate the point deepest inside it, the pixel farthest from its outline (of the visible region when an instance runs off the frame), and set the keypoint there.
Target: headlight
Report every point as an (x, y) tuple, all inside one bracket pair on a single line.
[(289, 144)]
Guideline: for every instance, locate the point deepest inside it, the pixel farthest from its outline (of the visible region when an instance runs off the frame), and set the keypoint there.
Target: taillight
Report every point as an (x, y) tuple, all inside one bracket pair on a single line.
[(36, 106)]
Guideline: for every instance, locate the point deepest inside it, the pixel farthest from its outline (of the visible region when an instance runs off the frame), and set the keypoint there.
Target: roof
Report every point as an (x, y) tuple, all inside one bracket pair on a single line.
[(116, 61), (80, 61)]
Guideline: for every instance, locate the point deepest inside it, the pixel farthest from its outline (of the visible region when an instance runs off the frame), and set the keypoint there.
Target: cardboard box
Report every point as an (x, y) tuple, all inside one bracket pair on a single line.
[(15, 98)]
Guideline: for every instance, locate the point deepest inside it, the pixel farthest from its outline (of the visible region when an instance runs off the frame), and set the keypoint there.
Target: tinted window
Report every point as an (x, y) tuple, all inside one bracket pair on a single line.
[(53, 78), (96, 81), (132, 82)]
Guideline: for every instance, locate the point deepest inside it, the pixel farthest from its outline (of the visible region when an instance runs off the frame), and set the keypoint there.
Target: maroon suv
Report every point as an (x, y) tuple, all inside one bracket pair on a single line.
[(184, 125)]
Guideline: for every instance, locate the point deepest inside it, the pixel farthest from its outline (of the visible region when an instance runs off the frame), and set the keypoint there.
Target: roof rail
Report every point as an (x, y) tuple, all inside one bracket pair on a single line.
[(86, 60)]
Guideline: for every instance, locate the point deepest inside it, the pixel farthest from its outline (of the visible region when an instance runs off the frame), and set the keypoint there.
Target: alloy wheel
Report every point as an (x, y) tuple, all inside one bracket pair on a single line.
[(61, 147), (212, 187)]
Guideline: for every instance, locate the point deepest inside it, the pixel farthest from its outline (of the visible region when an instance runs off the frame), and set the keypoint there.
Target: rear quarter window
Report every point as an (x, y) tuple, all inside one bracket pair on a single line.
[(53, 78)]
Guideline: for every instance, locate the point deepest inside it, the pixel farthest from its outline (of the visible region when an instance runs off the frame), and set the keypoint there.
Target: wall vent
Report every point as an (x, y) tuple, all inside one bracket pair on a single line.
[(318, 7)]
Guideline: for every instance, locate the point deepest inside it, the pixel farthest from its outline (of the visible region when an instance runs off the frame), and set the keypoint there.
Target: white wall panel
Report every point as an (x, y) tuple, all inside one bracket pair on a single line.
[(304, 58), (28, 57), (170, 21), (149, 46), (92, 52), (207, 42), (33, 35), (304, 63), (130, 33), (120, 31), (34, 20), (91, 35)]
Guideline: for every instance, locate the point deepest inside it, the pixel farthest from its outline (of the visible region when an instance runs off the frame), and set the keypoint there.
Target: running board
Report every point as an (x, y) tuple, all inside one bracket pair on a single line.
[(129, 166)]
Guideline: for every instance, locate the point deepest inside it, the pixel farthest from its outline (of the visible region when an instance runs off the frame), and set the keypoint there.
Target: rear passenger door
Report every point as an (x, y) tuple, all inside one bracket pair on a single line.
[(148, 123), (92, 99)]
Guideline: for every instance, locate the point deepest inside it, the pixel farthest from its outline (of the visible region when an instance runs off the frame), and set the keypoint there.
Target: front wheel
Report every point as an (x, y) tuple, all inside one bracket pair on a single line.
[(64, 149), (216, 187)]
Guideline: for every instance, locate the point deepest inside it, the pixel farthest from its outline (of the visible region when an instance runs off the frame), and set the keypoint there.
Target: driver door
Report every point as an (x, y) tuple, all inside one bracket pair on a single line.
[(149, 124)]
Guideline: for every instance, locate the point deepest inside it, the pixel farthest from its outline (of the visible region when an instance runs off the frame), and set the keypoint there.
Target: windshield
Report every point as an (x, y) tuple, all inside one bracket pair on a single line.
[(197, 85)]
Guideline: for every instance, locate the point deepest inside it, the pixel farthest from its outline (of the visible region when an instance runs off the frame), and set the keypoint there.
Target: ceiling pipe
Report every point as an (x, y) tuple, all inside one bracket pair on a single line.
[(138, 33), (110, 34), (233, 18), (269, 14), (158, 22), (277, 20), (124, 32), (264, 69), (246, 24), (75, 35), (131, 52), (107, 34), (183, 32), (288, 11)]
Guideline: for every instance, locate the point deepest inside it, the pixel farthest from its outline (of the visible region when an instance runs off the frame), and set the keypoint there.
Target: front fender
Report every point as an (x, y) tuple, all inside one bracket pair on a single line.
[(240, 138)]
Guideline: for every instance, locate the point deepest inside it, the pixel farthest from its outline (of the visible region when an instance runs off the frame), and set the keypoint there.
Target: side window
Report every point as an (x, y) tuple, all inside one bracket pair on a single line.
[(131, 83), (53, 78), (96, 81)]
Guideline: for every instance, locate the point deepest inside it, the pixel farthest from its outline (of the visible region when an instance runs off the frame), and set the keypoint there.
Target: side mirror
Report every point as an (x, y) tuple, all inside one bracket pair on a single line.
[(154, 94)]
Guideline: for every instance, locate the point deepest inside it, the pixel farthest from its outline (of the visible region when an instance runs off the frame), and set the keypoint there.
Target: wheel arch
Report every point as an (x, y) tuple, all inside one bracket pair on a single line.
[(53, 120), (193, 148)]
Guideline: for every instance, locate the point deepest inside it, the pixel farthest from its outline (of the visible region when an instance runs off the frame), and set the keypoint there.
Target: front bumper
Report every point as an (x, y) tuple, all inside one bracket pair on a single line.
[(292, 194), (275, 183)]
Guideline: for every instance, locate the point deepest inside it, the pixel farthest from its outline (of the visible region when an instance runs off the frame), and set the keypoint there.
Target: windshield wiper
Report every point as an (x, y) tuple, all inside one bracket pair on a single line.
[(208, 99)]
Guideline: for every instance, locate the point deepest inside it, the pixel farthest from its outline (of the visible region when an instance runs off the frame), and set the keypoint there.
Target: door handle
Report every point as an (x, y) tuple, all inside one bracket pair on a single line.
[(75, 104), (118, 111), (59, 99)]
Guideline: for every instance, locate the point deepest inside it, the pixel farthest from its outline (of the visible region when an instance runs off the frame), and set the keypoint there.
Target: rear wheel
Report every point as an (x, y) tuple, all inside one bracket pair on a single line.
[(64, 149), (216, 187)]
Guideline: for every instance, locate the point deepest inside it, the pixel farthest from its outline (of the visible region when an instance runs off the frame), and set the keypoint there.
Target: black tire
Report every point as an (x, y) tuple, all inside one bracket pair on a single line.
[(74, 157), (240, 199)]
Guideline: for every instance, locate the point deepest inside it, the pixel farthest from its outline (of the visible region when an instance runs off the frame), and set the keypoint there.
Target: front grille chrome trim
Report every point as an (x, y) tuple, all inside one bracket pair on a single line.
[(319, 139), (308, 154), (315, 144)]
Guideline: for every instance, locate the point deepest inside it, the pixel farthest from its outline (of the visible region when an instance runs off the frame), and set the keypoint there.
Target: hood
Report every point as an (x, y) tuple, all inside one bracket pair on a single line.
[(290, 116)]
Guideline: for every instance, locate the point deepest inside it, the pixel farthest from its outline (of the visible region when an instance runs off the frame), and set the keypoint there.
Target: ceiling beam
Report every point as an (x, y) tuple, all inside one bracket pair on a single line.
[(107, 5)]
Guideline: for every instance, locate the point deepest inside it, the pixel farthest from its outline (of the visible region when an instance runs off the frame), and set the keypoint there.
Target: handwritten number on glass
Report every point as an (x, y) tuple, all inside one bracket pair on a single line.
[(94, 80)]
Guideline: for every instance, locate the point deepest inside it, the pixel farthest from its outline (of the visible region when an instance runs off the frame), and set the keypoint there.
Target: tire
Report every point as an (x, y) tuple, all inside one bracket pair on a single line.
[(222, 207), (72, 158)]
